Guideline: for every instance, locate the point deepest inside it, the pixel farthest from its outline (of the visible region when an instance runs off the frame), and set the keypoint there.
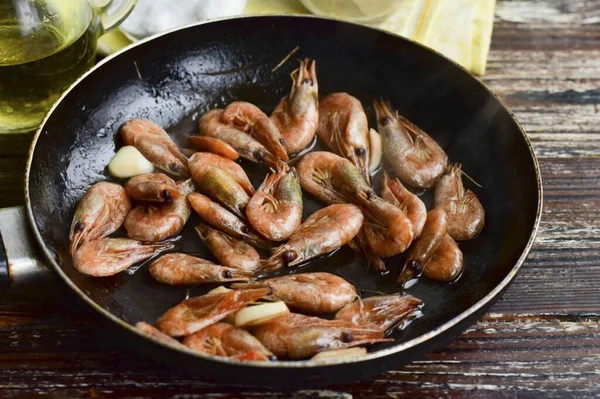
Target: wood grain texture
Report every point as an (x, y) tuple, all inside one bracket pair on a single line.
[(542, 339)]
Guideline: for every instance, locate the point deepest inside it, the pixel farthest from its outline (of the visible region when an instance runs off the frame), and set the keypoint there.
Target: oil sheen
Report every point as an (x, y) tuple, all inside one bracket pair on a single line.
[(36, 66)]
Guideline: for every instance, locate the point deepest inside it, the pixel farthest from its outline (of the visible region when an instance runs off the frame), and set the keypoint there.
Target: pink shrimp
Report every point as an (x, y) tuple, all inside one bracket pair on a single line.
[(250, 119), (297, 114), (99, 213), (184, 269)]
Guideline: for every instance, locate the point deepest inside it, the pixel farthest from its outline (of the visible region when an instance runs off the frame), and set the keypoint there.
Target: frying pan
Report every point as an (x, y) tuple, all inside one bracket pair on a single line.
[(175, 77)]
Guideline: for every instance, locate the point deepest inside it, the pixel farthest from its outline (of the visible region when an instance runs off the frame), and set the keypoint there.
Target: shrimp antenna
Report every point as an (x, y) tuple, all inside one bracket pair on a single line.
[(470, 178), (287, 57)]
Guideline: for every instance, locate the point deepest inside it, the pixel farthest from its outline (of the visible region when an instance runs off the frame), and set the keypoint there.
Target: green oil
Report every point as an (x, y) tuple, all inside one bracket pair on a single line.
[(36, 66)]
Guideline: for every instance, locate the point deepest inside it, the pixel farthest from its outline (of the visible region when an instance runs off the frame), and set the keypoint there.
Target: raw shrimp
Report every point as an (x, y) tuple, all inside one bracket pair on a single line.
[(99, 213), (196, 313), (109, 256), (201, 162), (296, 336), (446, 263), (211, 125), (465, 213), (425, 246), (334, 179), (152, 187), (223, 339), (156, 334), (219, 185), (183, 269), (344, 129), (384, 311), (157, 223), (324, 231), (408, 151), (312, 293), (395, 193), (229, 251), (219, 217), (156, 145), (250, 119), (297, 114), (275, 211), (215, 146)]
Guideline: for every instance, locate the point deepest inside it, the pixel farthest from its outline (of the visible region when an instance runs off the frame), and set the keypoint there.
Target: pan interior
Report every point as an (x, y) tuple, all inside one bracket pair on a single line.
[(175, 78)]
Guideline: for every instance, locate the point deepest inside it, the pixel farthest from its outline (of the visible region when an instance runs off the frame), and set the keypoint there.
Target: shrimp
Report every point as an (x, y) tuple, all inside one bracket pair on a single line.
[(155, 334), (395, 193), (99, 213), (296, 336), (312, 293), (219, 185), (344, 129), (156, 145), (408, 151), (223, 339), (157, 223), (297, 114), (211, 125), (201, 162), (222, 219), (250, 119), (196, 313), (275, 211), (446, 263), (152, 187), (334, 179), (183, 269), (215, 146), (360, 244), (109, 256), (229, 251), (324, 231), (384, 311), (425, 246), (465, 213)]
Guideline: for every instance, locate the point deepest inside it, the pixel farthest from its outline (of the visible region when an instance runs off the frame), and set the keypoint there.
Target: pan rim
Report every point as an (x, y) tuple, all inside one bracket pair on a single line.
[(417, 341)]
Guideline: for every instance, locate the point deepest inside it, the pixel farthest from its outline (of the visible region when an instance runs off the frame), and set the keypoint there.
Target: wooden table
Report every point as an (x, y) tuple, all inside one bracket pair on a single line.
[(541, 338)]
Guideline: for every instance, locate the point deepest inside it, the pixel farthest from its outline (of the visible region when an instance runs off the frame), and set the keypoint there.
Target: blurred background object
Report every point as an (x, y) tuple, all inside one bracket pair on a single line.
[(45, 45), (459, 29)]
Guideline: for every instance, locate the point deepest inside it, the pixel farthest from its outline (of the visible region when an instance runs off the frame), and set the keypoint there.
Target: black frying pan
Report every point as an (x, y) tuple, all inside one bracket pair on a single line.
[(175, 77)]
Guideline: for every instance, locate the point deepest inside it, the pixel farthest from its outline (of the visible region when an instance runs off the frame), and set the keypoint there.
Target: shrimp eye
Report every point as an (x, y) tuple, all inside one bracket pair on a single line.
[(175, 167), (307, 81), (282, 141), (346, 336), (260, 157), (370, 195), (386, 120), (227, 274), (245, 229), (288, 256), (166, 195), (273, 357), (78, 227), (360, 151)]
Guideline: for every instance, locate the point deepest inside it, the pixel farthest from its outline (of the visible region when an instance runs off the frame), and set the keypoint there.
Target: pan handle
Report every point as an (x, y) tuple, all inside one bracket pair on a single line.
[(20, 262)]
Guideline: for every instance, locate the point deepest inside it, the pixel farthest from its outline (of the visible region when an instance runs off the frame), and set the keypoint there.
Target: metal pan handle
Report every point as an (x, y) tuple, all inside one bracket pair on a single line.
[(20, 262)]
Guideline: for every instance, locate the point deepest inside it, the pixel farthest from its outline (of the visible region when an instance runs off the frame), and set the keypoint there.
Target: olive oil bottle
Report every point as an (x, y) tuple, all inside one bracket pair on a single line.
[(37, 63)]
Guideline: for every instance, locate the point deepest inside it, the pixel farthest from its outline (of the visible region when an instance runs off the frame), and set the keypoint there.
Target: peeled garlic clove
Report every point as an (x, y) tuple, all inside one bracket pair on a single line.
[(260, 314), (375, 150), (219, 290), (129, 162), (340, 354)]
